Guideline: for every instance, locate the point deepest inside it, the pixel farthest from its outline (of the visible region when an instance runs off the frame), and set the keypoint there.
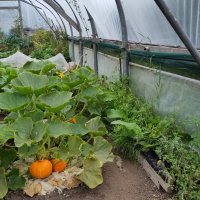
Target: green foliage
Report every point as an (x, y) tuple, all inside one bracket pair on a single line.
[(138, 129), (39, 125), (46, 45), (9, 177), (41, 45)]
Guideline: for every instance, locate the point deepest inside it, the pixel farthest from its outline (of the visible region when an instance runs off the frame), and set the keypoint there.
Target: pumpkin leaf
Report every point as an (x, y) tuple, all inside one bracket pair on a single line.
[(27, 132), (23, 127), (58, 128), (38, 131), (74, 143), (28, 83), (5, 134), (102, 150), (28, 151), (12, 101), (90, 92), (92, 173), (3, 183), (14, 180), (86, 149), (7, 157), (96, 127), (54, 101), (130, 126), (35, 115), (37, 67), (114, 113)]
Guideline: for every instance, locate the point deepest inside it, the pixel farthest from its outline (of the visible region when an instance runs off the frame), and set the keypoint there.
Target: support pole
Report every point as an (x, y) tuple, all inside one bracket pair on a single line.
[(72, 41), (94, 40), (80, 36), (178, 29), (125, 66), (20, 18)]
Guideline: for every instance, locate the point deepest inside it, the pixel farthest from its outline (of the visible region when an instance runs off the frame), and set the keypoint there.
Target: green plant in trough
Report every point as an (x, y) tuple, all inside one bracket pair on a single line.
[(136, 128)]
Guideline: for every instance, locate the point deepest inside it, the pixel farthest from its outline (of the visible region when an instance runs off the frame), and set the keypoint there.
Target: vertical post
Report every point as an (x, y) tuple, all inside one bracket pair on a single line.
[(94, 40), (125, 67), (178, 29), (20, 18), (80, 36), (72, 41)]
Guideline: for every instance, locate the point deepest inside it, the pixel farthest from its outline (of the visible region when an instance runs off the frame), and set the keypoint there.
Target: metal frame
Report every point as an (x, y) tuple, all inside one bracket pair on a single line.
[(62, 13), (20, 18), (125, 66), (178, 29), (80, 35), (94, 40), (72, 41), (51, 13), (43, 17), (19, 11)]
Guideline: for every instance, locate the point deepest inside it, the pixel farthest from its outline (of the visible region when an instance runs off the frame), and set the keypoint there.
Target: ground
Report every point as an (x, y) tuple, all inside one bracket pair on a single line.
[(130, 183)]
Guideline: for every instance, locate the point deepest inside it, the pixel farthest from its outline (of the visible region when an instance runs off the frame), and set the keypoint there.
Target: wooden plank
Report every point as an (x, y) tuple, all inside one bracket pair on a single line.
[(158, 181)]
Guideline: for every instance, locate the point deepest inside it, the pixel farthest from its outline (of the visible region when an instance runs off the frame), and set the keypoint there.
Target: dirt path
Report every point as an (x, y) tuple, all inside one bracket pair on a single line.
[(129, 184)]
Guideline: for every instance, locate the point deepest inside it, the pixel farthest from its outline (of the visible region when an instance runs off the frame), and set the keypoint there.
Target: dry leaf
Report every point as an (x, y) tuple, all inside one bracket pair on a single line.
[(72, 182), (32, 188)]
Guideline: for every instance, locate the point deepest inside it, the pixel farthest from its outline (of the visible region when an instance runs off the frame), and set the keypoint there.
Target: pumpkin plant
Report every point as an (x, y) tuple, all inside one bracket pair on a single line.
[(55, 121)]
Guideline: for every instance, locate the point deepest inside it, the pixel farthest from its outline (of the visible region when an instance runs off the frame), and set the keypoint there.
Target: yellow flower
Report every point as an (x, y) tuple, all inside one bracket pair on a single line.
[(61, 74)]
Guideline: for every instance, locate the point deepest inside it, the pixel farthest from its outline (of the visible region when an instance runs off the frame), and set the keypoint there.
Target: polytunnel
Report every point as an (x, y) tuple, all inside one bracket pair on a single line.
[(87, 82)]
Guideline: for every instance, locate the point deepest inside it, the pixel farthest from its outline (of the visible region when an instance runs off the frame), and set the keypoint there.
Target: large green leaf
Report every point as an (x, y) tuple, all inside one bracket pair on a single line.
[(28, 151), (35, 115), (7, 157), (59, 128), (96, 127), (37, 67), (3, 183), (54, 101), (12, 101), (23, 127), (5, 134), (90, 92), (102, 150), (92, 173), (74, 143), (38, 131), (114, 113), (28, 83), (27, 132), (130, 126), (14, 180)]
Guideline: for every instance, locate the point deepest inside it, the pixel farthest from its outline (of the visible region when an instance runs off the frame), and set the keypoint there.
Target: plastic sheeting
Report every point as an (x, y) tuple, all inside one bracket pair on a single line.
[(19, 59), (169, 94), (145, 22), (7, 17)]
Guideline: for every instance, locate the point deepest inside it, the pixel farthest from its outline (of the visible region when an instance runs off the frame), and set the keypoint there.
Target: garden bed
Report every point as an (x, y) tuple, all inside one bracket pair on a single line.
[(127, 184)]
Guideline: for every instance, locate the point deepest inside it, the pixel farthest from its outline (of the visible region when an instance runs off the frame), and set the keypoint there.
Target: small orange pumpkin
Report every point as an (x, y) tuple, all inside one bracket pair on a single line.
[(58, 165), (73, 120), (41, 169)]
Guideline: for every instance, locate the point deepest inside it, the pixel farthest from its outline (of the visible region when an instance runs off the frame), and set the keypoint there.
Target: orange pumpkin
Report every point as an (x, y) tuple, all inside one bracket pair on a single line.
[(58, 165), (73, 120), (41, 169)]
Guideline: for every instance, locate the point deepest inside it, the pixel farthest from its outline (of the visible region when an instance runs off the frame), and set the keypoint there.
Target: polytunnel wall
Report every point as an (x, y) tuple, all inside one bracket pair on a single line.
[(145, 24)]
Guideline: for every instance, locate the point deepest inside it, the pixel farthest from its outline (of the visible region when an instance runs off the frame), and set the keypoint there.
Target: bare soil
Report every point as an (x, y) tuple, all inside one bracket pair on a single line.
[(131, 183)]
